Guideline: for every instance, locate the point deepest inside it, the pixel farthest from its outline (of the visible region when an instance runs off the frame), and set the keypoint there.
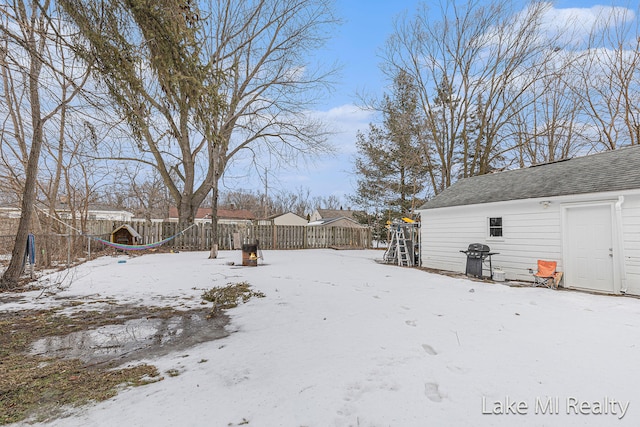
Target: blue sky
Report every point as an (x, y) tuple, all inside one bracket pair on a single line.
[(356, 46)]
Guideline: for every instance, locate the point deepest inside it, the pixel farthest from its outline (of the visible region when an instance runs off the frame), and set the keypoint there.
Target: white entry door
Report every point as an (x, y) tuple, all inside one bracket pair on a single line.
[(589, 248)]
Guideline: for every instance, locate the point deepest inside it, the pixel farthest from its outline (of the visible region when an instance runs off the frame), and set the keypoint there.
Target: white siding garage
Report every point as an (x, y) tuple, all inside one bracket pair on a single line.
[(629, 259), (583, 213)]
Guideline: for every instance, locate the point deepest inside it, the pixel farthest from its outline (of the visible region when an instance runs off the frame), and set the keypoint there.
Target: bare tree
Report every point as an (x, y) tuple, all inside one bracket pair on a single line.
[(30, 61), (224, 78), (548, 127), (298, 201), (249, 200), (148, 197), (473, 66), (263, 48), (609, 73), (151, 61)]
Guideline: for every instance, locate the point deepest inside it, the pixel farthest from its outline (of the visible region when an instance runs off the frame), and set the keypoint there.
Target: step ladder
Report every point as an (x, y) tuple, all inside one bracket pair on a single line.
[(404, 258), (398, 252)]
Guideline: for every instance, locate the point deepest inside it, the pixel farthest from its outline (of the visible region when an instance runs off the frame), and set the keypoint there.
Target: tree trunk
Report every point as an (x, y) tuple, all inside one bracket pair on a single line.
[(14, 270), (214, 222)]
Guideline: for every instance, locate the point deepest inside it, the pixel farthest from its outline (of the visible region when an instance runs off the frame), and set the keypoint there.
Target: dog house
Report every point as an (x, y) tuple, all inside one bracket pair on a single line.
[(126, 235)]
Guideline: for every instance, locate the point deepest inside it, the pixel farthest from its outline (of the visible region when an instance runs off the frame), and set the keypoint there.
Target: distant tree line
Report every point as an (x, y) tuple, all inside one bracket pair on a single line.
[(149, 199)]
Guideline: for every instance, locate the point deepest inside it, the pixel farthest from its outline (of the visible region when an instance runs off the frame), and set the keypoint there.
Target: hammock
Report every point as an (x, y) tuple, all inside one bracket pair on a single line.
[(125, 247), (135, 247)]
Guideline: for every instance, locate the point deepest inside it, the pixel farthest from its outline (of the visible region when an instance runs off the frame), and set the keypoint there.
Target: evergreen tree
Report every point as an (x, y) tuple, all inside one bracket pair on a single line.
[(390, 164)]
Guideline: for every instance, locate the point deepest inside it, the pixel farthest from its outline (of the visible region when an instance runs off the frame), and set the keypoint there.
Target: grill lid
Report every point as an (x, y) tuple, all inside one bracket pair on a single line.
[(478, 247)]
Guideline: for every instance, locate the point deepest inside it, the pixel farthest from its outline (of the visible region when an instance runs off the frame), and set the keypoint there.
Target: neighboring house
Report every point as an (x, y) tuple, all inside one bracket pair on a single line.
[(8, 212), (65, 213), (288, 218), (225, 215), (334, 218), (337, 232), (583, 213), (331, 213), (106, 215)]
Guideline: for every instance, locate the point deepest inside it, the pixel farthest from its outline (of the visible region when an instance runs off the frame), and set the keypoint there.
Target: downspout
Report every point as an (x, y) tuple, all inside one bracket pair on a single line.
[(620, 244)]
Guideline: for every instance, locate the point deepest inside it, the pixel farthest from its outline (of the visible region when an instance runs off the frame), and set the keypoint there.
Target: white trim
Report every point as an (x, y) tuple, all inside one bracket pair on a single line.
[(618, 243)]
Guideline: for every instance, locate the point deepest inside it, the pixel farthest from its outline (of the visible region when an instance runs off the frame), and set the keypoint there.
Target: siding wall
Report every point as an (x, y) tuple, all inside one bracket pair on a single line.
[(631, 243), (530, 232)]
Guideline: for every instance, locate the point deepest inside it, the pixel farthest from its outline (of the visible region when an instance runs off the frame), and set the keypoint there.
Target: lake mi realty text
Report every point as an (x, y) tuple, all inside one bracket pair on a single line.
[(555, 405)]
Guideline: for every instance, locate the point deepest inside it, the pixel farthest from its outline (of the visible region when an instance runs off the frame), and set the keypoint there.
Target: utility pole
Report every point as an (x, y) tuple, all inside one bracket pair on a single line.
[(266, 189)]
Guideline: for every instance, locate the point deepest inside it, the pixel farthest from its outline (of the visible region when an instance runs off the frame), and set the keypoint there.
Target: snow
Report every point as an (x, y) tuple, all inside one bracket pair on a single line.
[(342, 340)]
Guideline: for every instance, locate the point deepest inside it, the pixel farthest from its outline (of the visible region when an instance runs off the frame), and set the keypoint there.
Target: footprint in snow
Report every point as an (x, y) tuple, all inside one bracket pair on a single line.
[(410, 322), (429, 349), (432, 393)]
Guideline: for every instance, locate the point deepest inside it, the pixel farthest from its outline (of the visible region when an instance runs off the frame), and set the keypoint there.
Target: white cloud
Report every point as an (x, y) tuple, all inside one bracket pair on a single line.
[(575, 24), (347, 113), (345, 121)]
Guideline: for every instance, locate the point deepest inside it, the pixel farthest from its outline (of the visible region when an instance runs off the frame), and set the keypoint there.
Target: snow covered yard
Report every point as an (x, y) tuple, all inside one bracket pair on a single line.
[(341, 340)]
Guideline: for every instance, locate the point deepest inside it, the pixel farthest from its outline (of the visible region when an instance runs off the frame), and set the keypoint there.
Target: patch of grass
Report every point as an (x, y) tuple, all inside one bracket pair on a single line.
[(229, 296), (173, 372), (39, 388)]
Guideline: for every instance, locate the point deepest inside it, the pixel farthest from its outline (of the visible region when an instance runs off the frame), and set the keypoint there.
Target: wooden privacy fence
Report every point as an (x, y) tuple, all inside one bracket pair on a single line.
[(303, 237), (231, 236), (199, 237), (66, 246)]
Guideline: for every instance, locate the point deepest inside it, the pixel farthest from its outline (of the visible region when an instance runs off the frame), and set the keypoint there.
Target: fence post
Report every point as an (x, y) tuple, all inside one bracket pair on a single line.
[(305, 240), (275, 235), (68, 246)]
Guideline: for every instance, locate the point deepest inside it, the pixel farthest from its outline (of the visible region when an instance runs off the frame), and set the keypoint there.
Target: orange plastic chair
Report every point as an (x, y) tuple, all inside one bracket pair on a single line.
[(546, 274)]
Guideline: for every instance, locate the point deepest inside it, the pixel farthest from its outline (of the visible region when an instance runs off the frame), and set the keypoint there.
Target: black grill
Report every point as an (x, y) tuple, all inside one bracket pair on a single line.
[(477, 253)]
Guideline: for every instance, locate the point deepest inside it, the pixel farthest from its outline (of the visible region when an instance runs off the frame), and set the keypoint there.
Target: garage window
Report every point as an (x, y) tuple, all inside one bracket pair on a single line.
[(495, 227)]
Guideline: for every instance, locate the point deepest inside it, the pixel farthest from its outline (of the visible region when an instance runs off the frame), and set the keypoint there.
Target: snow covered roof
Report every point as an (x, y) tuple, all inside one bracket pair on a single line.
[(615, 170)]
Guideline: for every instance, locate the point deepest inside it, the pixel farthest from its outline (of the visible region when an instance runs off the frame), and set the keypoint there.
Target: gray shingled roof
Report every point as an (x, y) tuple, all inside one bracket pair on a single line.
[(607, 171), (335, 213)]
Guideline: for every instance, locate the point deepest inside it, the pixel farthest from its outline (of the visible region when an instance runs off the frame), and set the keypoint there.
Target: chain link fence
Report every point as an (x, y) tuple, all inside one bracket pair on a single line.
[(55, 250)]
